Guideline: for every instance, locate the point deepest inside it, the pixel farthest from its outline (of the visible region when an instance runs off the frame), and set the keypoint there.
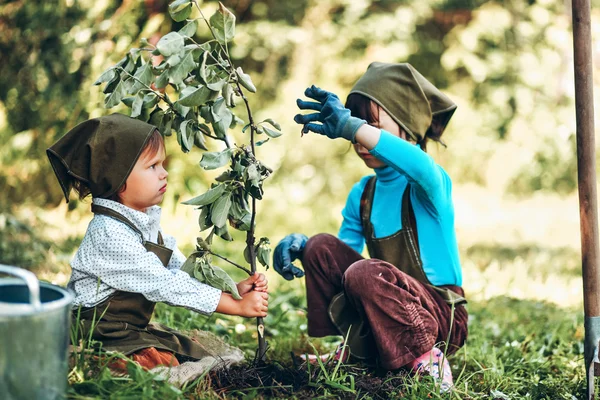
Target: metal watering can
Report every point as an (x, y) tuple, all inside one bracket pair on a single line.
[(35, 320)]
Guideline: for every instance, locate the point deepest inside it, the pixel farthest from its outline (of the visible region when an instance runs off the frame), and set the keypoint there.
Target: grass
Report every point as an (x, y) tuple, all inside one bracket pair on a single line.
[(517, 349), (522, 278)]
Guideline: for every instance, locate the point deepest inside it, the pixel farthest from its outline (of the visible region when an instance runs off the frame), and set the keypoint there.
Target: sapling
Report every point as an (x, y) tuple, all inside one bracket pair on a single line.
[(191, 87)]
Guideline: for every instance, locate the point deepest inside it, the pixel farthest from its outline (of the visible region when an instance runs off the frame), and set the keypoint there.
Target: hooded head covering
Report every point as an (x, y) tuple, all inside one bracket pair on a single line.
[(99, 152), (410, 99)]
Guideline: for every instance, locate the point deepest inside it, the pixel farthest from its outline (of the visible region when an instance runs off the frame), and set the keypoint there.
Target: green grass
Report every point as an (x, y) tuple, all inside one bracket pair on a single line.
[(517, 349)]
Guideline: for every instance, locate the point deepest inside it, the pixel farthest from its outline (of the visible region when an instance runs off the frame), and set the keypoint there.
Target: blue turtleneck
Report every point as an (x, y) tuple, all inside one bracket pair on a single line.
[(431, 196)]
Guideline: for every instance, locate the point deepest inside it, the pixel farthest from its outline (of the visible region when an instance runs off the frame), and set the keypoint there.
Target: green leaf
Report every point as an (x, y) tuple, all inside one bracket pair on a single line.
[(190, 29), (171, 43), (220, 210), (218, 278), (189, 266), (223, 233), (193, 96), (214, 78), (150, 100), (162, 80), (183, 135), (202, 245), (199, 140), (220, 127), (263, 252), (208, 197), (106, 76), (178, 73), (115, 97), (245, 80), (271, 132), (136, 107), (213, 160), (228, 95), (253, 175), (272, 123), (143, 78), (261, 142), (223, 24), (180, 9), (204, 221), (112, 84)]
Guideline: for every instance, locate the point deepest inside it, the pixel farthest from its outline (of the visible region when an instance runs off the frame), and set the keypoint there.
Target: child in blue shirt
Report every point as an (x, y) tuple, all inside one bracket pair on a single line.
[(399, 307)]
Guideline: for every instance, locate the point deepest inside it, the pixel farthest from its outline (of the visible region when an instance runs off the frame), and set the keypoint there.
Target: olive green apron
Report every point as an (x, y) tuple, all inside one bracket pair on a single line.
[(401, 250), (122, 322)]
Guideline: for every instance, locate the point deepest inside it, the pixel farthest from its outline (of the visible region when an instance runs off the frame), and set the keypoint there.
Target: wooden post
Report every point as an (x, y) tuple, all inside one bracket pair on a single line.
[(586, 178)]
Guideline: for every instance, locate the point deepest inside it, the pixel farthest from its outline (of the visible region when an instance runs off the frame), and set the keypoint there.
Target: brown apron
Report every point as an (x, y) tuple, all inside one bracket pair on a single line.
[(122, 322), (401, 250)]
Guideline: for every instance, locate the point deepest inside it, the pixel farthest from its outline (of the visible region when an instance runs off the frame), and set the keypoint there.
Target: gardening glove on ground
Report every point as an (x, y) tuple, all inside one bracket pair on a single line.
[(289, 249), (335, 119)]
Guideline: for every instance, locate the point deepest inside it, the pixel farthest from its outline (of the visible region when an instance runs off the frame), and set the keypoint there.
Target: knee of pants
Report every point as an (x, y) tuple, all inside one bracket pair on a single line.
[(358, 277), (315, 246)]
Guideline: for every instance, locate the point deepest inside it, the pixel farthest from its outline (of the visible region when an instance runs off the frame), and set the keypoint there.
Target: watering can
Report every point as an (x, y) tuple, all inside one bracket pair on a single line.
[(35, 320)]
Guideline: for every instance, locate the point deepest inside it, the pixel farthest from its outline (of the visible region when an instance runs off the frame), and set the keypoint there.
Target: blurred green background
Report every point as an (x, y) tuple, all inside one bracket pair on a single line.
[(511, 144)]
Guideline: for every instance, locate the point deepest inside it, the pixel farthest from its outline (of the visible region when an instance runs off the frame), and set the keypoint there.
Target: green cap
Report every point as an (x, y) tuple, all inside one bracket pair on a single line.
[(99, 152), (410, 99)]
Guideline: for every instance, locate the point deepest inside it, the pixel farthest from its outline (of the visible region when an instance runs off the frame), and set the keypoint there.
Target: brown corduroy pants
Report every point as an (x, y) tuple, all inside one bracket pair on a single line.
[(406, 317)]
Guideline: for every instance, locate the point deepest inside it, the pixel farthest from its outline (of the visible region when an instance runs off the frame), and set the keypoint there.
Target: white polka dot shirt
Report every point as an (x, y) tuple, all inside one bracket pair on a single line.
[(112, 257)]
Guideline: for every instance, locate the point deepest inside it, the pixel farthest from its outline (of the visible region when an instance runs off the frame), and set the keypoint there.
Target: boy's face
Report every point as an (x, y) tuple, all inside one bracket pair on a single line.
[(147, 183), (386, 123)]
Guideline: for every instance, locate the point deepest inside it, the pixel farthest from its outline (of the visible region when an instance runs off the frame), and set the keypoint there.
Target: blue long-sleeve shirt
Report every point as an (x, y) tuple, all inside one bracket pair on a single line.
[(431, 196)]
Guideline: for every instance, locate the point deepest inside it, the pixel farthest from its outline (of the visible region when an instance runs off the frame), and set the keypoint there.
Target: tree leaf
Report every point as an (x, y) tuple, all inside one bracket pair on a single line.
[(263, 251), (220, 127), (171, 43), (223, 233), (220, 210), (272, 123), (162, 80), (136, 107), (190, 29), (218, 278), (189, 266), (223, 24), (150, 100), (178, 73), (193, 96), (115, 97), (245, 80), (253, 175), (204, 221), (180, 10), (271, 132), (106, 76), (199, 140), (186, 146), (261, 142), (143, 78), (213, 160)]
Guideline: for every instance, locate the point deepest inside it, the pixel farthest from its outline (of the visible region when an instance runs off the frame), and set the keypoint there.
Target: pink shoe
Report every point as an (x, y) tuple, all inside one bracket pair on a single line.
[(434, 363), (342, 352)]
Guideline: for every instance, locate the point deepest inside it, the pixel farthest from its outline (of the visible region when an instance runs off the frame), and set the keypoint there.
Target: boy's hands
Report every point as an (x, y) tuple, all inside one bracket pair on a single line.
[(256, 282), (254, 302)]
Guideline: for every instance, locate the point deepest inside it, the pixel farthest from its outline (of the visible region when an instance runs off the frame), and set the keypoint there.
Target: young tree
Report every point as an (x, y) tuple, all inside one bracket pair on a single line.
[(206, 86)]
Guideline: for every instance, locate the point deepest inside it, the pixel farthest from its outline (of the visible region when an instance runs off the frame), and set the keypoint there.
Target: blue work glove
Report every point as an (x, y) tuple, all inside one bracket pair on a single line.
[(335, 119), (289, 249)]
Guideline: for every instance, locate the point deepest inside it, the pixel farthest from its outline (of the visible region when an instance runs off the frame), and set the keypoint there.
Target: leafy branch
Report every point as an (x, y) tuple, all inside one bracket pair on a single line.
[(206, 84)]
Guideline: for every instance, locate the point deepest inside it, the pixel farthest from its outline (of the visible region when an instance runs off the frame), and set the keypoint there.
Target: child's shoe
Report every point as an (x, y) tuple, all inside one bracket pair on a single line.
[(434, 363)]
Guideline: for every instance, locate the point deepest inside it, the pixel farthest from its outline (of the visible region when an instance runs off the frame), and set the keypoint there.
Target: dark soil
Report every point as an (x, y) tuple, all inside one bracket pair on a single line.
[(273, 380)]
